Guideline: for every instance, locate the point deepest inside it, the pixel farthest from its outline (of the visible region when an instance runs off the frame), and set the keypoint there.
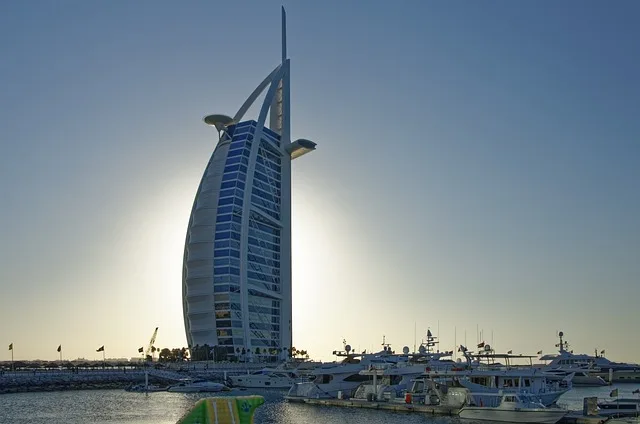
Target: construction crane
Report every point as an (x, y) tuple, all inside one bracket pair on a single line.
[(151, 348)]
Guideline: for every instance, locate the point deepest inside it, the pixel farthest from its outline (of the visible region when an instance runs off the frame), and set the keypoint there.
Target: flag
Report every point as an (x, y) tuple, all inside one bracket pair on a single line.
[(11, 346), (60, 348), (602, 352), (481, 344), (614, 393), (539, 352), (100, 349), (140, 349), (510, 352)]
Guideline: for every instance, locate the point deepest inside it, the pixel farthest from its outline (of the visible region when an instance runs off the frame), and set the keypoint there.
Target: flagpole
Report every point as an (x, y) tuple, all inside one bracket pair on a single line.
[(12, 366)]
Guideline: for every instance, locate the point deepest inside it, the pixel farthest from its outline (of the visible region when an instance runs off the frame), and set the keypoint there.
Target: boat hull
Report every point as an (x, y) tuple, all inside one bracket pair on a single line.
[(253, 382), (196, 388), (541, 416)]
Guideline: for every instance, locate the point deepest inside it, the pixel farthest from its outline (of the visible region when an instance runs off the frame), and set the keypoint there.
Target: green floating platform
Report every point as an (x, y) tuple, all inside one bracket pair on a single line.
[(223, 410)]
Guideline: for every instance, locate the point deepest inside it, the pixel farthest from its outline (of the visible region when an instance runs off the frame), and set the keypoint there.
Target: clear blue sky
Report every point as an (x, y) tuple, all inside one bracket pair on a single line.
[(478, 168)]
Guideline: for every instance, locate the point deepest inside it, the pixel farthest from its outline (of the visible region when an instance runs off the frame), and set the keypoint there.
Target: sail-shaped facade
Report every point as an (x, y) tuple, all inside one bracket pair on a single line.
[(236, 283)]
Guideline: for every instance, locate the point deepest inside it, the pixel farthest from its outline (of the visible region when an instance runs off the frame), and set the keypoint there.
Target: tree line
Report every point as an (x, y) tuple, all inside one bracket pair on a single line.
[(220, 353)]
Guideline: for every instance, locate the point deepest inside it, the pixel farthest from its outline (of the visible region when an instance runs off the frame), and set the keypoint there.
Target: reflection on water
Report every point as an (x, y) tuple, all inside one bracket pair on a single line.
[(118, 406)]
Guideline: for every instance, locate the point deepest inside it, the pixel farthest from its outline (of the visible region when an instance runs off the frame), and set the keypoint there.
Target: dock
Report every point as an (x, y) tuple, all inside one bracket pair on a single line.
[(387, 406), (574, 417)]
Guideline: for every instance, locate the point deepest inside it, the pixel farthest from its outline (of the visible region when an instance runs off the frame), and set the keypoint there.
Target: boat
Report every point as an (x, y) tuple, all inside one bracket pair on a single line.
[(594, 365), (329, 380), (145, 388), (195, 386), (265, 378), (425, 391), (390, 381), (486, 379), (517, 408), (621, 407), (581, 377)]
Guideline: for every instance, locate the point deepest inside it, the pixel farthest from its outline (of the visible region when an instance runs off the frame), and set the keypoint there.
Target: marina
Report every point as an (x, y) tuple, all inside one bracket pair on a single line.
[(474, 166), (108, 406)]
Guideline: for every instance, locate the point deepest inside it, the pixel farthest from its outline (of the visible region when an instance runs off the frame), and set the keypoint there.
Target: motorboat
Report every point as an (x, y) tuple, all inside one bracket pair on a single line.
[(195, 386), (425, 391), (595, 365), (344, 378), (266, 378), (485, 384), (486, 380), (145, 388), (328, 380), (620, 407), (581, 377), (390, 381), (517, 408)]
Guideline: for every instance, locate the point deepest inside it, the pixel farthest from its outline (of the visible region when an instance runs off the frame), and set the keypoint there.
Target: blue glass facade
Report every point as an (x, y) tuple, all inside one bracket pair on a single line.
[(246, 257)]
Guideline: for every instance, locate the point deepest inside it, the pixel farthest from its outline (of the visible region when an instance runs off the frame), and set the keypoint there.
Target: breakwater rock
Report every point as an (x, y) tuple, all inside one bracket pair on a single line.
[(43, 381)]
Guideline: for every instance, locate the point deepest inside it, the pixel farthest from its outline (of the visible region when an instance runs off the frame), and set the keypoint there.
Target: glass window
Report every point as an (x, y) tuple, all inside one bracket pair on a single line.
[(223, 235), (230, 176), (223, 218), (221, 244), (231, 168), (223, 314), (235, 152), (221, 270), (223, 227), (227, 193), (225, 209)]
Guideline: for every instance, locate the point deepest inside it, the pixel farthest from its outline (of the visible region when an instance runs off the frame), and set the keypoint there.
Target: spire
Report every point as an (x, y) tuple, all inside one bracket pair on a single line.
[(278, 108), (284, 35)]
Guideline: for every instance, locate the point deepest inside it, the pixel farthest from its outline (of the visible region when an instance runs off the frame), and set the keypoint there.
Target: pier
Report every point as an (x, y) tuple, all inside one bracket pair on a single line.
[(574, 417)]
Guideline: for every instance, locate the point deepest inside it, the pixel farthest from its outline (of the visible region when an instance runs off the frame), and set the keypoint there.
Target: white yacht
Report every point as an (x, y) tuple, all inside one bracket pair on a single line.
[(390, 381), (597, 367), (195, 386), (487, 379), (266, 378), (328, 380), (514, 408), (620, 407)]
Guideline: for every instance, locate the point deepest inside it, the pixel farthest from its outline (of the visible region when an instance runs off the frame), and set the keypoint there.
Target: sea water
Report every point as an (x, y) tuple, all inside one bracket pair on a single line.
[(118, 406)]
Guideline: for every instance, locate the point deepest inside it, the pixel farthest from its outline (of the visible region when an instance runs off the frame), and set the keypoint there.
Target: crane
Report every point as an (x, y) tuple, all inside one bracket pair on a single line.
[(151, 348)]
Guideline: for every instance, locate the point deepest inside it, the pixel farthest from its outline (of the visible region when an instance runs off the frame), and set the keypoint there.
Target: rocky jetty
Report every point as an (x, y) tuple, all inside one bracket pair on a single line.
[(43, 381)]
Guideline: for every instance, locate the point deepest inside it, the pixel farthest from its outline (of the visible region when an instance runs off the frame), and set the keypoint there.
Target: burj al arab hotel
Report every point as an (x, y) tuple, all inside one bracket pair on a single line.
[(236, 279)]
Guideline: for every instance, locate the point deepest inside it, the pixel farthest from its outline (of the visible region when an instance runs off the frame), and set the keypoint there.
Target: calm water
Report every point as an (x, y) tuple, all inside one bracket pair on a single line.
[(118, 406)]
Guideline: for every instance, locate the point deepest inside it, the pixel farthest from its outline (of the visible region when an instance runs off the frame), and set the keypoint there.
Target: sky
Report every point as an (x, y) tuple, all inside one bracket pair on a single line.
[(477, 170)]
